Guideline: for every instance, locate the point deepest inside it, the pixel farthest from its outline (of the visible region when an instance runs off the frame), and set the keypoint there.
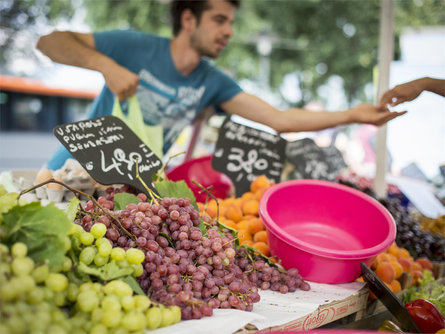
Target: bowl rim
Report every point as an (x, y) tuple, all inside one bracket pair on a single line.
[(273, 228)]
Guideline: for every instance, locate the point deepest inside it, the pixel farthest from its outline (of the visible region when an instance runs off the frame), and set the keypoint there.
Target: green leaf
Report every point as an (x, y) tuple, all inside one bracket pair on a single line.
[(42, 229), (72, 209), (177, 189), (131, 281), (268, 260), (170, 241), (231, 230), (107, 272), (121, 200)]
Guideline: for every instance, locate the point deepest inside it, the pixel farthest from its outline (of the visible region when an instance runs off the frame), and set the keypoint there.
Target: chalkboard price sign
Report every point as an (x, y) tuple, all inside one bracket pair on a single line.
[(243, 153), (108, 149), (314, 162)]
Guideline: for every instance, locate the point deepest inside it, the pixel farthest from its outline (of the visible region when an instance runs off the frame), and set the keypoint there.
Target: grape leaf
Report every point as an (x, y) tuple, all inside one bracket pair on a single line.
[(121, 200), (107, 272), (177, 189), (232, 231), (72, 209), (131, 281), (42, 229), (268, 260)]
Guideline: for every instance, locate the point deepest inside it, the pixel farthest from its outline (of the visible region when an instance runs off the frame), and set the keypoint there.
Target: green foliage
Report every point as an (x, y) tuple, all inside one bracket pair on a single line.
[(42, 229), (315, 39), (121, 200)]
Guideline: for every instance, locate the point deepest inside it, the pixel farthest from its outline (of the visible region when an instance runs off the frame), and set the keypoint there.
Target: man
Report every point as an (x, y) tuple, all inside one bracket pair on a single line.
[(173, 82)]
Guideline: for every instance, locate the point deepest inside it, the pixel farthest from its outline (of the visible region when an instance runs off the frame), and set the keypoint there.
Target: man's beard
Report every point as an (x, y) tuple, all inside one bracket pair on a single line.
[(202, 50)]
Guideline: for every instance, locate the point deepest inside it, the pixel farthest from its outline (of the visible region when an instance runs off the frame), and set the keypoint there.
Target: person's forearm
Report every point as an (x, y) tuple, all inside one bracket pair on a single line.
[(65, 48), (435, 85), (294, 120)]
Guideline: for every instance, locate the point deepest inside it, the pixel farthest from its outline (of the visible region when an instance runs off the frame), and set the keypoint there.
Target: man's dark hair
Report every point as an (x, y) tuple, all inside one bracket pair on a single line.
[(196, 7)]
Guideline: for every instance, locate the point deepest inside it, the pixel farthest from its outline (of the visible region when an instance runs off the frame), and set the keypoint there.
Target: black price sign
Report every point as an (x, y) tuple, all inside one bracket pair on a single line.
[(314, 162), (108, 150), (243, 153)]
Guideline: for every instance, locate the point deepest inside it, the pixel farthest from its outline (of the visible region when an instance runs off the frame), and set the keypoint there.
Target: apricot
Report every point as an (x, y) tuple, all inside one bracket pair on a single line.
[(385, 271), (255, 225), (397, 268), (406, 264), (244, 235), (260, 236), (260, 182), (262, 247), (425, 263), (394, 250), (416, 266), (395, 286), (234, 213), (404, 253), (250, 207)]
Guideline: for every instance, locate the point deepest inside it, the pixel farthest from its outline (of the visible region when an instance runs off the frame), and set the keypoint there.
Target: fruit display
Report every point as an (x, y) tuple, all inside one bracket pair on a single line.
[(241, 214), (390, 265), (433, 225), (410, 235), (124, 263), (57, 278), (419, 241)]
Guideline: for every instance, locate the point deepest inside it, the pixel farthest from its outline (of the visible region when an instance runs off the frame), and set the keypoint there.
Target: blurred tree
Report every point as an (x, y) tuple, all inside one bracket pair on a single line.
[(20, 22), (316, 40)]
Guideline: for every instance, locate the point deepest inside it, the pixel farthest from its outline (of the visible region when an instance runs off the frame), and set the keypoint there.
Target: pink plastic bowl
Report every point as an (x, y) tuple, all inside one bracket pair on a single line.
[(325, 229), (201, 171)]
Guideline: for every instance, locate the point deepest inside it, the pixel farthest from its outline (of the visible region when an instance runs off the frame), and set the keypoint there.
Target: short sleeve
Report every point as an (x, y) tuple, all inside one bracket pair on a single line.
[(227, 88), (116, 43)]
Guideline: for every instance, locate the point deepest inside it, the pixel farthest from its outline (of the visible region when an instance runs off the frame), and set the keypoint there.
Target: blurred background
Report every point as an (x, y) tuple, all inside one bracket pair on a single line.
[(318, 54)]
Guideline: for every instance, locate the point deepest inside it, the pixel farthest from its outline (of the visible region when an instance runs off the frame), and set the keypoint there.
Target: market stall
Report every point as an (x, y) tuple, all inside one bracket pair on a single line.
[(215, 263)]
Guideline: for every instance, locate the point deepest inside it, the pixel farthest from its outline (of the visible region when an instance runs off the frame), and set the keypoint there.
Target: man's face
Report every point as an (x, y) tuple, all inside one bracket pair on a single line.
[(214, 30)]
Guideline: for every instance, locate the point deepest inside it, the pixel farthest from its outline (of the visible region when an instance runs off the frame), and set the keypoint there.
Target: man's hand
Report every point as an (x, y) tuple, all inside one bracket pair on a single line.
[(122, 82), (369, 113)]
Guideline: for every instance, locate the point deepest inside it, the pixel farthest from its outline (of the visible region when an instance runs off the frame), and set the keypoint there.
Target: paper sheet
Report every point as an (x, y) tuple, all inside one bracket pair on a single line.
[(273, 309)]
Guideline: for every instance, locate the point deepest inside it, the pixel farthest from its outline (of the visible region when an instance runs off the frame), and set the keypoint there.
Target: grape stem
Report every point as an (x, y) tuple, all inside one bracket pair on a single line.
[(208, 194), (77, 192), (162, 170), (153, 195)]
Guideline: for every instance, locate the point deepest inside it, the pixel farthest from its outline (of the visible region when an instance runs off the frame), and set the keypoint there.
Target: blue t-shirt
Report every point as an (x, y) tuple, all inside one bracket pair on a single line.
[(166, 97)]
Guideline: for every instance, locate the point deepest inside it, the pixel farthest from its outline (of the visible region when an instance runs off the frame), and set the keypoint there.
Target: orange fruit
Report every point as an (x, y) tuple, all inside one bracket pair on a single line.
[(382, 257), (260, 236), (246, 196), (244, 235), (250, 207), (416, 266), (406, 264), (259, 182), (397, 268), (262, 247), (394, 250), (246, 242), (259, 193), (234, 213), (417, 274), (404, 253), (395, 286), (425, 263), (255, 225), (242, 225), (385, 272), (229, 223)]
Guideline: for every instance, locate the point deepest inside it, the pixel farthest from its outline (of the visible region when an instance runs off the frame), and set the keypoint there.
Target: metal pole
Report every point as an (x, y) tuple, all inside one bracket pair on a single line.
[(386, 51)]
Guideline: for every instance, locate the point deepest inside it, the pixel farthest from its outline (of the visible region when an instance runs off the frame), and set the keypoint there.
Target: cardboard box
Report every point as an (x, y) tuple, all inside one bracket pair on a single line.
[(323, 315)]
